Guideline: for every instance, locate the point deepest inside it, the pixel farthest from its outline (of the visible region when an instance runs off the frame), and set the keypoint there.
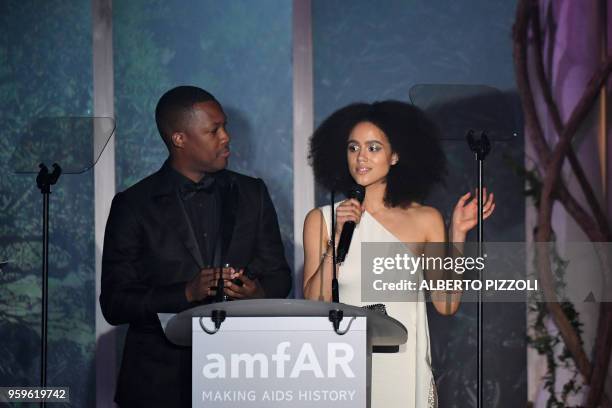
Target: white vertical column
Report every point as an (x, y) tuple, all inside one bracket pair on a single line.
[(104, 190), (303, 122)]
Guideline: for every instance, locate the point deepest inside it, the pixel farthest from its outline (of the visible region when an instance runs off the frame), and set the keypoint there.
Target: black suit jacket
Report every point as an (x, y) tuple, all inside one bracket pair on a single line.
[(150, 253)]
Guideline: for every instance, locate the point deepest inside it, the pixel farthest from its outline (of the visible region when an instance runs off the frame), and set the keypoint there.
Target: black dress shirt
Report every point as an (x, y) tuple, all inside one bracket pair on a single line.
[(202, 204)]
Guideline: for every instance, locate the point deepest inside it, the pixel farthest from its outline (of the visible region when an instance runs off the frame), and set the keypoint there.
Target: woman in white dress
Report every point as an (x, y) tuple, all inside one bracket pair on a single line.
[(392, 149)]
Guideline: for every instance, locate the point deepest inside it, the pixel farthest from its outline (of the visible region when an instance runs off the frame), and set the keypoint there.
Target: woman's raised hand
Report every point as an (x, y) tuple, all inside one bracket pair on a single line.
[(465, 214), (348, 210)]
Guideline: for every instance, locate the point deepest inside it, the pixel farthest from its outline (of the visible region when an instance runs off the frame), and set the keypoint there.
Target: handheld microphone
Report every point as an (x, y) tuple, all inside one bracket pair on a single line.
[(357, 192)]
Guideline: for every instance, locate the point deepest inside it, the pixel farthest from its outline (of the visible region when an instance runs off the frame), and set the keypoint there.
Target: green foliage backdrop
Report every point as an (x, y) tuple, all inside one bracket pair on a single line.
[(45, 70), (241, 51)]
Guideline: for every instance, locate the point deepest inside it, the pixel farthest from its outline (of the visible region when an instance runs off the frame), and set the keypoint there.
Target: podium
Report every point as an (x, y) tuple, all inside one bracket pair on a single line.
[(233, 337)]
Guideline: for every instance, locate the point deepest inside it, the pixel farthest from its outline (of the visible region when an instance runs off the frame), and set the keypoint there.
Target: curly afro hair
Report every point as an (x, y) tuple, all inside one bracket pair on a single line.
[(412, 135)]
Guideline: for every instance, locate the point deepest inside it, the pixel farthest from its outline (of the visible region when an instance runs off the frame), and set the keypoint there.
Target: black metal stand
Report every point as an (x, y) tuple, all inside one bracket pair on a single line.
[(334, 287), (481, 147), (44, 181)]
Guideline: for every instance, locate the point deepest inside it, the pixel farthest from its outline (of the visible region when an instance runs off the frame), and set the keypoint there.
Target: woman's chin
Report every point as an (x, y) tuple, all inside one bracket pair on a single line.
[(368, 181), (361, 180), (365, 183)]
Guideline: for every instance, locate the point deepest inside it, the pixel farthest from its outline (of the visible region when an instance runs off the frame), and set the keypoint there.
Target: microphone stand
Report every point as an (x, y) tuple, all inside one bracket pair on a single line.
[(335, 315), (44, 181), (480, 147), (334, 288)]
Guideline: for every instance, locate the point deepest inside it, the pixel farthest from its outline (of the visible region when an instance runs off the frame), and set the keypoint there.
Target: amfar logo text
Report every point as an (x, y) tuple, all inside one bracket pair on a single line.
[(243, 365)]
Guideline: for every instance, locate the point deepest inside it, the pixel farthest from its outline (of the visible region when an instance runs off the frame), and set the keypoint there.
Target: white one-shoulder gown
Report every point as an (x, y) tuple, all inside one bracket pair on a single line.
[(403, 379)]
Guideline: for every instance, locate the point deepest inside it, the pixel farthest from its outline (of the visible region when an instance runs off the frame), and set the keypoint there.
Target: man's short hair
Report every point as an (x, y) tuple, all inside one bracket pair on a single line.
[(175, 107)]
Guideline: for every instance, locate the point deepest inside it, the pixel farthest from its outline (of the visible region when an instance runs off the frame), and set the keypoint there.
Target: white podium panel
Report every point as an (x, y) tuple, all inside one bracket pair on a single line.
[(274, 362)]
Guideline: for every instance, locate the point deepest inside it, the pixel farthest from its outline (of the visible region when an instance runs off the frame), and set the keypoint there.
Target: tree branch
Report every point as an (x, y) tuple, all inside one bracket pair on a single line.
[(553, 111), (532, 123), (552, 182), (552, 178)]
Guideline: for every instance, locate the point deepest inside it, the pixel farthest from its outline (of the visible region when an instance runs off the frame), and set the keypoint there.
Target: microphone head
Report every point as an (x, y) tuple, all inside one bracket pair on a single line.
[(357, 192)]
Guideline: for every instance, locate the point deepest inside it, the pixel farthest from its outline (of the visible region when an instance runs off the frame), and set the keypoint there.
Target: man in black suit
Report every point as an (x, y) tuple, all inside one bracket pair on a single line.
[(166, 237)]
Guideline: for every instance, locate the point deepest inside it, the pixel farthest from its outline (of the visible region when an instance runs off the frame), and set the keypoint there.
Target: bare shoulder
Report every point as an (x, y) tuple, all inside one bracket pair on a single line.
[(314, 224), (424, 214), (313, 216), (315, 233), (429, 222), (432, 223), (430, 214)]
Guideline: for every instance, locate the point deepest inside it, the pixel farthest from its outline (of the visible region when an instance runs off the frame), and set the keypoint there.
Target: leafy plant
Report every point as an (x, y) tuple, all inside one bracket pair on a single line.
[(543, 340)]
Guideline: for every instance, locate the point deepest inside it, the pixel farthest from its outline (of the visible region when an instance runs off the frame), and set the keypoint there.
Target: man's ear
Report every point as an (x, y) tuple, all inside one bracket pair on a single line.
[(178, 139)]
